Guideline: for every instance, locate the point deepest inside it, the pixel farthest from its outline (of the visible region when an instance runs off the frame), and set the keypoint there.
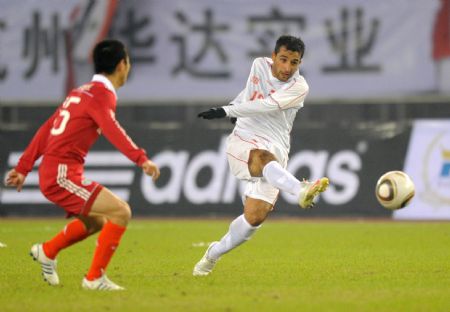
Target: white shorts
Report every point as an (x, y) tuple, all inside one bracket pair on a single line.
[(239, 145)]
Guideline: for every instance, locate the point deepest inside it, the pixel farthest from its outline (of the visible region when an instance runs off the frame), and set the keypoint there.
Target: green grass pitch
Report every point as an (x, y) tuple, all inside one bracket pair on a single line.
[(289, 265)]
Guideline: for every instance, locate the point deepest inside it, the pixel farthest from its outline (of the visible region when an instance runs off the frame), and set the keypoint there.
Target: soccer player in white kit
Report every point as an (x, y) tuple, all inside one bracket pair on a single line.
[(258, 147)]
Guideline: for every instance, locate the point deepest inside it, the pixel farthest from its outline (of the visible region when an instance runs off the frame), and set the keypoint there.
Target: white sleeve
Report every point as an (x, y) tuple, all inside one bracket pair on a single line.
[(290, 97), (239, 98), (251, 108)]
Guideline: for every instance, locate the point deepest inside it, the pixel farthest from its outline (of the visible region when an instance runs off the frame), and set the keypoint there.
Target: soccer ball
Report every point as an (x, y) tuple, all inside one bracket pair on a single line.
[(394, 190)]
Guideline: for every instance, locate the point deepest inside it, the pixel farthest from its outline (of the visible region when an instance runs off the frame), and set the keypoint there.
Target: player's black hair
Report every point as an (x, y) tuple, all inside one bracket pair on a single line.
[(291, 43), (107, 54)]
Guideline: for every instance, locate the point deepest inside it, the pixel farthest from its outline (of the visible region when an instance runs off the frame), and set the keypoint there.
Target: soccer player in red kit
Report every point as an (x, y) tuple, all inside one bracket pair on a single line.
[(63, 141)]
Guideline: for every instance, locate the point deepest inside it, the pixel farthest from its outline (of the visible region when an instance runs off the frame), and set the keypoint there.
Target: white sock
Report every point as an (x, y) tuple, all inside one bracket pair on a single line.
[(281, 178), (240, 231)]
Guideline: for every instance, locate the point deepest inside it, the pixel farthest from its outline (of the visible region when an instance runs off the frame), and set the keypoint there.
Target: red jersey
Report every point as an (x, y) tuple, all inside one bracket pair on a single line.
[(70, 132)]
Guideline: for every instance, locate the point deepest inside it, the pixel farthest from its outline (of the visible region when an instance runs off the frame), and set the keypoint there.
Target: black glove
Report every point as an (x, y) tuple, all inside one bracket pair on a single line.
[(213, 113)]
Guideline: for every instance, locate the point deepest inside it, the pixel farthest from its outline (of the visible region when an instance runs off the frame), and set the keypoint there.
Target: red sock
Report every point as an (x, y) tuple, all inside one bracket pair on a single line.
[(107, 243), (73, 232)]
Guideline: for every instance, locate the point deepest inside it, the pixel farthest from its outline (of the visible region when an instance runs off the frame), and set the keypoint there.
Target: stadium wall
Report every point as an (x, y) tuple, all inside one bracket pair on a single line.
[(352, 144)]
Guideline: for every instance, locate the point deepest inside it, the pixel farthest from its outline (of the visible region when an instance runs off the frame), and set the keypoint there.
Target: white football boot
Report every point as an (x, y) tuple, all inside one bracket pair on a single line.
[(101, 283), (205, 265), (48, 265), (310, 191)]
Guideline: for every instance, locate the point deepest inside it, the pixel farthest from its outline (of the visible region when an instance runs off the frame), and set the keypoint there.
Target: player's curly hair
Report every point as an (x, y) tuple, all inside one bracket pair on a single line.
[(291, 43), (107, 54)]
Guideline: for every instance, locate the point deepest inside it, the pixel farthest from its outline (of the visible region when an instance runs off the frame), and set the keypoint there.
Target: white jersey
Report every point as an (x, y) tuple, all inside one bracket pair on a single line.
[(267, 106)]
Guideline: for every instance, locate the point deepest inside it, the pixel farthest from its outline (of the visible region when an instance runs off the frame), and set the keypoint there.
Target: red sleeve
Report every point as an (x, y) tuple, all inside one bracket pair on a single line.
[(35, 148), (102, 111)]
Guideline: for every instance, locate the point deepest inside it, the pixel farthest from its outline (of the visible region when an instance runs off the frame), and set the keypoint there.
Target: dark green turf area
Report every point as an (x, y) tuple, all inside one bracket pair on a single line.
[(287, 266)]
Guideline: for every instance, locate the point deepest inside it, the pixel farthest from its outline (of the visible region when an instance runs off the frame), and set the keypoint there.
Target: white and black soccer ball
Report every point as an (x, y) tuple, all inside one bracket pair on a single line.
[(394, 190)]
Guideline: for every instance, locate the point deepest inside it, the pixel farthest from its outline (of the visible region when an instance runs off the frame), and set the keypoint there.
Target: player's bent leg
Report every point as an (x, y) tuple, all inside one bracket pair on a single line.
[(241, 229), (305, 191), (48, 265), (281, 179), (117, 213), (46, 253), (75, 231)]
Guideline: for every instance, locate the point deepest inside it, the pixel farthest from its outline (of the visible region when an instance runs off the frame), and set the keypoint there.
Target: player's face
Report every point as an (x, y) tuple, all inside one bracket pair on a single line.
[(125, 70), (285, 63)]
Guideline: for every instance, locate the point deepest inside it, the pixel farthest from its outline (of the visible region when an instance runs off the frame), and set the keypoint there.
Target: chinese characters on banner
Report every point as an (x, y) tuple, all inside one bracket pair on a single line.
[(202, 50)]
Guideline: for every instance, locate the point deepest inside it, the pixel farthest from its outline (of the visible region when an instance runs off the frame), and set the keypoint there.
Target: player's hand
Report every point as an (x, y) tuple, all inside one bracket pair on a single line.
[(151, 169), (14, 178), (213, 113)]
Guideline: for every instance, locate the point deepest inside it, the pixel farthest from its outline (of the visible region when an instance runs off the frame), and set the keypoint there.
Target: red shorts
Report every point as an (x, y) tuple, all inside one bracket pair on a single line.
[(63, 183)]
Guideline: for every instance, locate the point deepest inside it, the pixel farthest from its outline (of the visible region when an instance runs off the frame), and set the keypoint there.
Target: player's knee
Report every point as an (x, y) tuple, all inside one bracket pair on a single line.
[(126, 211), (123, 212), (255, 218)]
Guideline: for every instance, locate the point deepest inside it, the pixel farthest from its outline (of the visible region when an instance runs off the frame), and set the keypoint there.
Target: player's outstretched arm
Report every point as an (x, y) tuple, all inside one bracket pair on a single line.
[(36, 147), (15, 179), (151, 169)]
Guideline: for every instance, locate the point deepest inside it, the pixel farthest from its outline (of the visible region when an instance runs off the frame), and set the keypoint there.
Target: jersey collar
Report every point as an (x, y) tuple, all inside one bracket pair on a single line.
[(106, 82)]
